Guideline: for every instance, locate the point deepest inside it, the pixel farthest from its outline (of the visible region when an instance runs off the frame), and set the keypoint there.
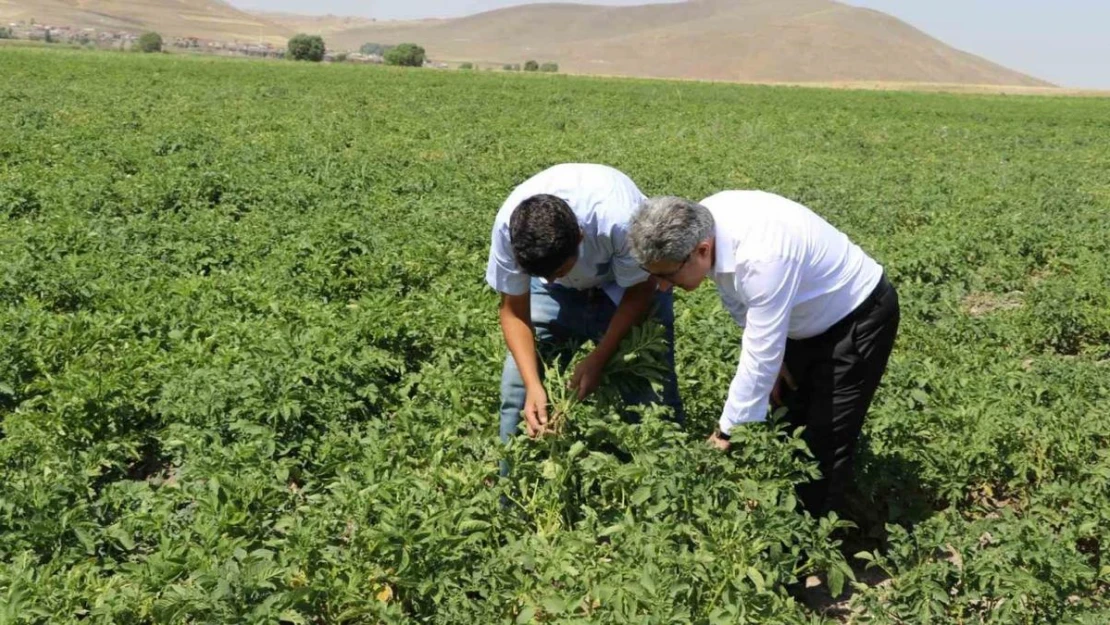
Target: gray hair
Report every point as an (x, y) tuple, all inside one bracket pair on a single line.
[(668, 229)]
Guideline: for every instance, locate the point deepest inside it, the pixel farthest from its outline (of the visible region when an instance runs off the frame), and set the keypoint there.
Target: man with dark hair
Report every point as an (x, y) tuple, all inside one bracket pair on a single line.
[(560, 259), (544, 233)]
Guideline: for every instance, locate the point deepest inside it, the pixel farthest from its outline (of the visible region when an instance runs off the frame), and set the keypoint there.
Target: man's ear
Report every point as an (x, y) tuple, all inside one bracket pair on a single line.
[(581, 235), (705, 248)]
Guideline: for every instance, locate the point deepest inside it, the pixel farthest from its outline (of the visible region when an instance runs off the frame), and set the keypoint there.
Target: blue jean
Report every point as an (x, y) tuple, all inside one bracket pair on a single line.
[(569, 317)]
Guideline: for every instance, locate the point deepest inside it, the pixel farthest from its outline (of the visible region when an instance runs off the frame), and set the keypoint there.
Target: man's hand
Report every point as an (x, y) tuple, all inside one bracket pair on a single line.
[(632, 309), (715, 440), (587, 376), (535, 410), (784, 378)]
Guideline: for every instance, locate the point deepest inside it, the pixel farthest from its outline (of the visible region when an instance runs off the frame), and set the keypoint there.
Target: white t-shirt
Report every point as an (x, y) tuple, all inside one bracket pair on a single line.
[(782, 272), (604, 200)]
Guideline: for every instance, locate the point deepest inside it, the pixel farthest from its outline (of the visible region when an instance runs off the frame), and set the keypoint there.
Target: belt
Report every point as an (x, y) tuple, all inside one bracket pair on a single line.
[(870, 302), (866, 306)]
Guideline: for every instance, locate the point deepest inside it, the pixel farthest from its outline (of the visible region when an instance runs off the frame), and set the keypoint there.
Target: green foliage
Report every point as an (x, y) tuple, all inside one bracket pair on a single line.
[(6, 33), (466, 65), (549, 67), (150, 42), (249, 367), (406, 55), (511, 67), (374, 48), (615, 513), (306, 48), (531, 66)]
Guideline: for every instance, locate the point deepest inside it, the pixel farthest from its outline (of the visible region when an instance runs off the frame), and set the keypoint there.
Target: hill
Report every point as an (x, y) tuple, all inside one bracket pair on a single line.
[(792, 41), (204, 19), (746, 40), (315, 24)]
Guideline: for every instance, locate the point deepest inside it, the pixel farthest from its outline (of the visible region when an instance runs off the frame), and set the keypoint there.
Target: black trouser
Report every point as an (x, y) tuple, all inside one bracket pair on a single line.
[(837, 373)]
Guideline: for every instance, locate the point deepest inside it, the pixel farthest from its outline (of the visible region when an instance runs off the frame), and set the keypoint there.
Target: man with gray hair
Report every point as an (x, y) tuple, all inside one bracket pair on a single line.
[(819, 317)]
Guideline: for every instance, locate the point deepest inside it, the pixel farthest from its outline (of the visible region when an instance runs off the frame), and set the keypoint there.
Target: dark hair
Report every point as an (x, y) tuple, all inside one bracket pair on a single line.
[(544, 234)]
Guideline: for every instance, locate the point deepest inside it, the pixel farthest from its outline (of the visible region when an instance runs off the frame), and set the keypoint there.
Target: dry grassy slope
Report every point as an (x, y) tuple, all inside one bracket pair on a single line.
[(314, 24), (795, 41), (207, 19), (744, 40)]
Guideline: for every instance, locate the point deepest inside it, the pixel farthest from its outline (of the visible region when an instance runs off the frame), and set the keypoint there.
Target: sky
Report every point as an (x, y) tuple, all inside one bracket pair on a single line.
[(1062, 41)]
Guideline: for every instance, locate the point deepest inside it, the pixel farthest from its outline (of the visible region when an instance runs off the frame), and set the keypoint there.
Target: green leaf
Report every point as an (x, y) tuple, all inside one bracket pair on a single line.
[(473, 525), (612, 529), (549, 469), (86, 540), (554, 605), (122, 536), (576, 449), (527, 615), (757, 579), (647, 582), (836, 582), (294, 617)]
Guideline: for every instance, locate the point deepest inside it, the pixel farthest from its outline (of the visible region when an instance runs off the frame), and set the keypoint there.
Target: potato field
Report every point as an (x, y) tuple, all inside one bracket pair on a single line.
[(249, 364)]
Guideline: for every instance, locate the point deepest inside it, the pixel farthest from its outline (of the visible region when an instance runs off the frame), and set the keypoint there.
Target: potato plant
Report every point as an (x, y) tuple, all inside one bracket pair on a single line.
[(249, 366)]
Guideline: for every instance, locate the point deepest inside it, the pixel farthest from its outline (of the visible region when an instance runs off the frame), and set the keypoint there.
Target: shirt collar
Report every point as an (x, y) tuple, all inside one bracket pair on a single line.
[(724, 245)]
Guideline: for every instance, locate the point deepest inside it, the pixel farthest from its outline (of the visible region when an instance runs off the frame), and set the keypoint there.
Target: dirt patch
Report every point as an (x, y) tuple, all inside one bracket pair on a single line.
[(816, 596), (981, 304)]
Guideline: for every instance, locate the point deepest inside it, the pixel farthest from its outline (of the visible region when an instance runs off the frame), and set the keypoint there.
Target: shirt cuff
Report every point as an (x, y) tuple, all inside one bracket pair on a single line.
[(728, 422)]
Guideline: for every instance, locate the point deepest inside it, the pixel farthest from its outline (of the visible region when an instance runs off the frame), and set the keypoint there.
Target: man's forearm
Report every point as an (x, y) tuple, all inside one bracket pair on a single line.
[(521, 342), (632, 309)]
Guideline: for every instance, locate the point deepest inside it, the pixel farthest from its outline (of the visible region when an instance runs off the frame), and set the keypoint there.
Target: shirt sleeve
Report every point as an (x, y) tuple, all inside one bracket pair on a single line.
[(737, 311), (626, 196), (626, 271), (502, 272), (770, 287)]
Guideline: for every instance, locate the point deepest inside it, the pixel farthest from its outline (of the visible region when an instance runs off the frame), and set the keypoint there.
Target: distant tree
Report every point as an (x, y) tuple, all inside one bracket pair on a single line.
[(466, 66), (531, 66), (508, 67), (549, 67), (374, 48), (150, 42), (48, 38), (341, 57), (304, 47), (406, 54), (6, 33)]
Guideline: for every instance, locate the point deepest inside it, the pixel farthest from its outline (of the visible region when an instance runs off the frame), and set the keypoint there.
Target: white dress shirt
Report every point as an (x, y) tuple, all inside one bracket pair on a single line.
[(604, 200), (782, 272)]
